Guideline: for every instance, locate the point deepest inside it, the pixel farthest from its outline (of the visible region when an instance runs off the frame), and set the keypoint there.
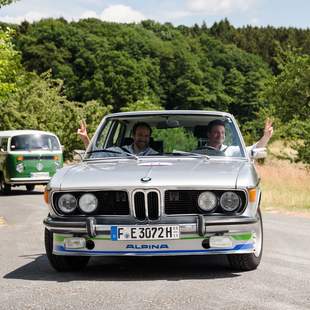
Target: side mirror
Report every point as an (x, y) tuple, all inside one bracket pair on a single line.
[(259, 153), (78, 155), (62, 147)]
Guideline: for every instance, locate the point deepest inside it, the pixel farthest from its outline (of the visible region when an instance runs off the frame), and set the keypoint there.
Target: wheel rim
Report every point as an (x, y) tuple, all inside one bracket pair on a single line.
[(258, 237)]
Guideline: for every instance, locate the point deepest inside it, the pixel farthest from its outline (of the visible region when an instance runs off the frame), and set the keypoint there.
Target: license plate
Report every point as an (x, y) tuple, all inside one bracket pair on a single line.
[(146, 232), (39, 175)]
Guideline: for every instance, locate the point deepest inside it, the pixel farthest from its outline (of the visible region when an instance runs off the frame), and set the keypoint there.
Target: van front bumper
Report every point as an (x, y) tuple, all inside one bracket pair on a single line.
[(23, 181)]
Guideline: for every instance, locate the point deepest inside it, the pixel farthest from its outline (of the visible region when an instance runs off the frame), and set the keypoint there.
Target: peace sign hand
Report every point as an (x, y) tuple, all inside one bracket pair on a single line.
[(82, 132), (268, 130)]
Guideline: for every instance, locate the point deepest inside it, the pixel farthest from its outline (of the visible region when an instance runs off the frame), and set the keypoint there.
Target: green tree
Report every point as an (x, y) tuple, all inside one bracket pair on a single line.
[(289, 91), (6, 2), (38, 104), (93, 112), (145, 104), (10, 65), (289, 95)]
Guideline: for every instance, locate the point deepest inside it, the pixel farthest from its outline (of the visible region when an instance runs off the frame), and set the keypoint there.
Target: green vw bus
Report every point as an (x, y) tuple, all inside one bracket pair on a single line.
[(28, 157)]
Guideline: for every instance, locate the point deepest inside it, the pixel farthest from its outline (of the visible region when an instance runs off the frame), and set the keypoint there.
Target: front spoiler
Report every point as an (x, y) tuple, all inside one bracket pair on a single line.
[(241, 231)]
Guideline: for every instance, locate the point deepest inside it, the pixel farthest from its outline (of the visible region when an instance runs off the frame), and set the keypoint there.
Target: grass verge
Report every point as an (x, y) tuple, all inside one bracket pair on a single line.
[(286, 186)]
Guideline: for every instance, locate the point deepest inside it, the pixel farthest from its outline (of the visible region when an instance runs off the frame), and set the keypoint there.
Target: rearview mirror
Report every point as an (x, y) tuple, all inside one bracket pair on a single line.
[(168, 124)]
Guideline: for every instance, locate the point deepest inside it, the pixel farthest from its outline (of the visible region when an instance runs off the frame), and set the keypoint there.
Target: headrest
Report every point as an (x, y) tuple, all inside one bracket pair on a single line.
[(201, 131)]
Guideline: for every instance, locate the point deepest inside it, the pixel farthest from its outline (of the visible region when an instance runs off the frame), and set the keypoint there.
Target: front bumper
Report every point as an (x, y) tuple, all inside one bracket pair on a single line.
[(193, 240), (23, 181)]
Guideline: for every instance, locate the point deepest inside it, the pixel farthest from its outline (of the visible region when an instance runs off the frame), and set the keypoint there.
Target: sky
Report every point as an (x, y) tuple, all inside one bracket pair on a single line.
[(278, 13)]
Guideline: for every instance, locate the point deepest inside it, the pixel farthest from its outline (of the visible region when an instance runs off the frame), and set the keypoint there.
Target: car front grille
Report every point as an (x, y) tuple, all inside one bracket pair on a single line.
[(186, 202), (146, 205)]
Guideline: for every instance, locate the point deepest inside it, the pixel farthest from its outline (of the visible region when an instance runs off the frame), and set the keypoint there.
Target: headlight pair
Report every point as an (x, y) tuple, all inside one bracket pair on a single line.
[(67, 203), (229, 201)]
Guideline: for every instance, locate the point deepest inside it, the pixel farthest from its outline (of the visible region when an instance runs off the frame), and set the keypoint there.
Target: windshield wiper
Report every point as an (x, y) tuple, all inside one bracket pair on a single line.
[(183, 153), (113, 152)]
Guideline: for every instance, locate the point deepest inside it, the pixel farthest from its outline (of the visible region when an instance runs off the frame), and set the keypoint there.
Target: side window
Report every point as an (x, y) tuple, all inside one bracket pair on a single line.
[(117, 137), (103, 136), (111, 134), (115, 134), (229, 137), (4, 144)]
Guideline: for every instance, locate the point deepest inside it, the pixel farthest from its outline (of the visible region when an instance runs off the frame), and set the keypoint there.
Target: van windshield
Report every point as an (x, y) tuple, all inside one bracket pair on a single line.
[(34, 142)]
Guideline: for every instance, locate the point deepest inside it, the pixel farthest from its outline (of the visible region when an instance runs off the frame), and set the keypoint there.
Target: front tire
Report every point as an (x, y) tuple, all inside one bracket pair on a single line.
[(30, 187), (4, 187), (246, 262), (62, 263)]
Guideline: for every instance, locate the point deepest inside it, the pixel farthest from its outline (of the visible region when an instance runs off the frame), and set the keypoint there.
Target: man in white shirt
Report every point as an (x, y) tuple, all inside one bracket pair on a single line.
[(141, 134), (216, 137)]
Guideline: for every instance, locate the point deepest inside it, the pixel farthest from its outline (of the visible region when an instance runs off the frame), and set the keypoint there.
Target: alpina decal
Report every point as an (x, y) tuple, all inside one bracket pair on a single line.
[(147, 246)]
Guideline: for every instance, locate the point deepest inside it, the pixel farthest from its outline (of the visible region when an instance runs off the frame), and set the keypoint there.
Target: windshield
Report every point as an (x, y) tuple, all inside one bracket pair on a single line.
[(34, 142), (167, 135)]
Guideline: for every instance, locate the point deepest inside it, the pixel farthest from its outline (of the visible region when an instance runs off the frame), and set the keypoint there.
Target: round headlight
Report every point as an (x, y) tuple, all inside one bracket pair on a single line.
[(230, 201), (88, 203), (67, 203), (207, 201)]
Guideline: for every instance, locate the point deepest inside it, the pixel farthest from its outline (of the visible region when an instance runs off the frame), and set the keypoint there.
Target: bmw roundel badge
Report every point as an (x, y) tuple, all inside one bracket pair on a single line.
[(146, 179)]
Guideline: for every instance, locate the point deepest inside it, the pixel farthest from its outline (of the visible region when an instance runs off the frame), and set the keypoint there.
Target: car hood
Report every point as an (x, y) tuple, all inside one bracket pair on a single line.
[(176, 172)]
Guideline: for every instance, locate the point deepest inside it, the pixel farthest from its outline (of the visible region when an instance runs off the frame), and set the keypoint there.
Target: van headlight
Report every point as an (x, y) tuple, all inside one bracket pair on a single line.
[(67, 203), (230, 201), (207, 201), (88, 203)]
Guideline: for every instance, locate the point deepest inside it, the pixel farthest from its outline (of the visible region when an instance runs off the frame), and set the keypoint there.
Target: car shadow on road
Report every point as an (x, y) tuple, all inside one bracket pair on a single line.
[(129, 269)]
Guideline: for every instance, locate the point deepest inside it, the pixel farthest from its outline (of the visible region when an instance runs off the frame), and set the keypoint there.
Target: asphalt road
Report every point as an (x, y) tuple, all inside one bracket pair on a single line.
[(27, 281)]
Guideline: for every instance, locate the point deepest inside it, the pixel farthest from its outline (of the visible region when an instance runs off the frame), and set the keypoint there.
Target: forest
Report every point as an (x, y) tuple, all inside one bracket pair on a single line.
[(54, 73)]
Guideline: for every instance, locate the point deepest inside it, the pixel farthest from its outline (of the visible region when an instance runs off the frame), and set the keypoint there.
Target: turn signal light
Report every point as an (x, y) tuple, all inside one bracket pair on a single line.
[(20, 158), (46, 196), (252, 194), (56, 158)]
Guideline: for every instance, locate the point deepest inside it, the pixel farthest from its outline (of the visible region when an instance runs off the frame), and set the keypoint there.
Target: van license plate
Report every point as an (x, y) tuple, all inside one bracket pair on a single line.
[(40, 175)]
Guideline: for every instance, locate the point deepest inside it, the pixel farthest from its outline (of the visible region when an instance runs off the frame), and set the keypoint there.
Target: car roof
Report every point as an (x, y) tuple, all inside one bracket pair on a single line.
[(170, 112), (11, 133)]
